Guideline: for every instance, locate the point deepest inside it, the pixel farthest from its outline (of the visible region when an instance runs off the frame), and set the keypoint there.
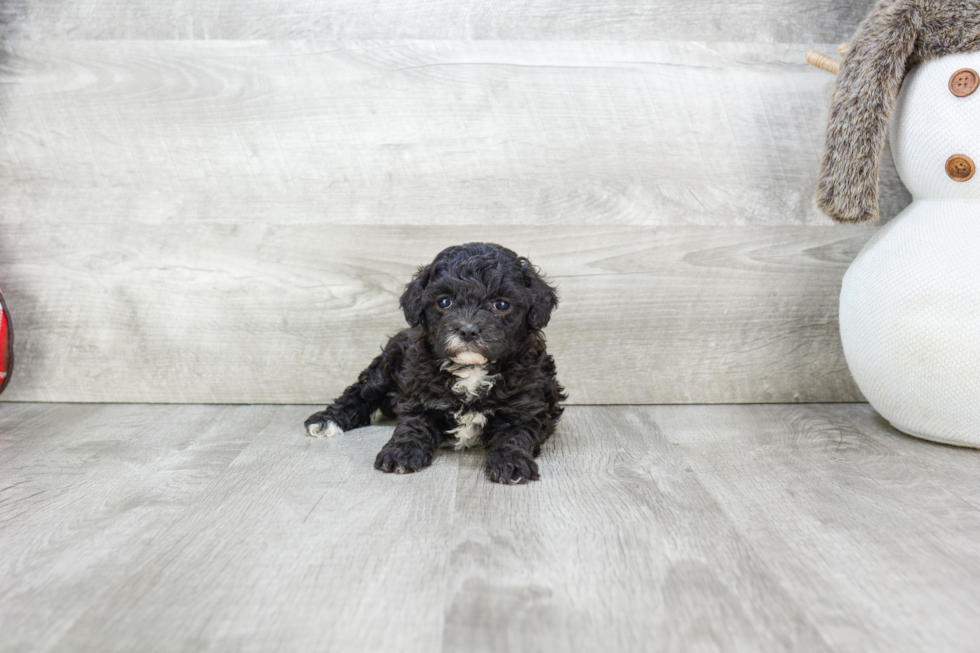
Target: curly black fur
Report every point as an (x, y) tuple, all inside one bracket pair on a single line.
[(476, 312)]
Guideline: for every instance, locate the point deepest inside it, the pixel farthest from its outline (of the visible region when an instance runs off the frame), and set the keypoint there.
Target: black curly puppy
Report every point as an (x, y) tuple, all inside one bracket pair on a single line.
[(472, 369)]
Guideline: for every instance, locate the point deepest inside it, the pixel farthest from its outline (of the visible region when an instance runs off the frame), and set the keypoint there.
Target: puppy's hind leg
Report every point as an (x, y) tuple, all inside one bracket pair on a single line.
[(355, 406), (348, 411)]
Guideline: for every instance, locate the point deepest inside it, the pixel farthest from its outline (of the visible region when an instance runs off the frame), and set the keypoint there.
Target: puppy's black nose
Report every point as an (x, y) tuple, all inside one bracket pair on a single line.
[(469, 331)]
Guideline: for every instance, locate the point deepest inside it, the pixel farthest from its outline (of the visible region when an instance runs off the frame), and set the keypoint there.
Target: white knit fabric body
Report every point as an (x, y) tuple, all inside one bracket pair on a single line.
[(910, 302)]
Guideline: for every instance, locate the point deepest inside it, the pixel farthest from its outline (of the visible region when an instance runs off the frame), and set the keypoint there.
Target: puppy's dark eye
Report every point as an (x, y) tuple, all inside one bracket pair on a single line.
[(501, 305), (444, 303)]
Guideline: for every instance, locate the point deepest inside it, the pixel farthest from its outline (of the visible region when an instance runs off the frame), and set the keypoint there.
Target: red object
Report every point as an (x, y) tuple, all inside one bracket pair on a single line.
[(6, 345)]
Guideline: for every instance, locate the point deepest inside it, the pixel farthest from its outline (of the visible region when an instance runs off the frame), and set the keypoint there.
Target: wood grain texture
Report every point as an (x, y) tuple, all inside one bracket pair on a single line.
[(87, 491), (869, 525), (233, 221), (618, 548), (708, 20), (668, 528), (291, 313), (300, 553), (414, 133)]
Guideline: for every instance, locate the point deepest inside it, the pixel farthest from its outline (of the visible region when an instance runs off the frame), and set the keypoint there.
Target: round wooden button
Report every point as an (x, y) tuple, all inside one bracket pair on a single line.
[(960, 167), (964, 82)]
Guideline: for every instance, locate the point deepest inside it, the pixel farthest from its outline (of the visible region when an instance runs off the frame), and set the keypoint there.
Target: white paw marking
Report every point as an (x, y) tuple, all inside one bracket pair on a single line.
[(331, 430)]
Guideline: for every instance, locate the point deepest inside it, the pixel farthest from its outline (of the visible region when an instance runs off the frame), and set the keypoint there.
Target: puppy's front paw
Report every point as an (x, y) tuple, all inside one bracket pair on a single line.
[(403, 457), (511, 466), (319, 426)]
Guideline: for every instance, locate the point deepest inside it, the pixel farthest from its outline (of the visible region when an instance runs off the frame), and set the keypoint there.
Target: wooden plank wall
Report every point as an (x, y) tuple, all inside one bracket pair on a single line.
[(220, 201)]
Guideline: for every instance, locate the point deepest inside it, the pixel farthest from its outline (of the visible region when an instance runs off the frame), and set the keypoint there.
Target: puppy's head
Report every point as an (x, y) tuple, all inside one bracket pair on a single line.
[(478, 302)]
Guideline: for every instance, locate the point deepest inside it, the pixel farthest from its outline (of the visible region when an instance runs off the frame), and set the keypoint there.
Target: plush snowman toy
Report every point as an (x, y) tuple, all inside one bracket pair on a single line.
[(910, 301)]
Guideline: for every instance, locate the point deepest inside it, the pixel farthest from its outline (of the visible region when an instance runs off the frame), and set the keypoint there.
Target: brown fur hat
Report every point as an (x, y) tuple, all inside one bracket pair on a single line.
[(894, 36)]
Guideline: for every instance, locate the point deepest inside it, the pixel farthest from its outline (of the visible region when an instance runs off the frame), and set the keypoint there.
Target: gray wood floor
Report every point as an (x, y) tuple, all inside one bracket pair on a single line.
[(658, 528)]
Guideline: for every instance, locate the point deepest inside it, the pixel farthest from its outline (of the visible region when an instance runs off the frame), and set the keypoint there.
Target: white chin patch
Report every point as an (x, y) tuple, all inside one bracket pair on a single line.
[(328, 431), (469, 358)]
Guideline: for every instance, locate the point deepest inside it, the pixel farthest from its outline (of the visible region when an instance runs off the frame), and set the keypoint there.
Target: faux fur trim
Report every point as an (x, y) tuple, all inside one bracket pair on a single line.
[(895, 35)]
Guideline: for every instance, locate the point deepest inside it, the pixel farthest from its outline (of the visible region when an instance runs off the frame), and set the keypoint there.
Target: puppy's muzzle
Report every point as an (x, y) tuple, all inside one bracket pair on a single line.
[(464, 347)]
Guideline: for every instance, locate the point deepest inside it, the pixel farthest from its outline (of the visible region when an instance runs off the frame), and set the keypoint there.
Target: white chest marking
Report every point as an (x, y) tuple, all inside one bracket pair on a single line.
[(473, 381), (470, 427)]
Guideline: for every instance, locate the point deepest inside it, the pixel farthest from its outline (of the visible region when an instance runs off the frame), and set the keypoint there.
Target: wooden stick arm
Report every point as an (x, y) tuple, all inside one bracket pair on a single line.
[(822, 61)]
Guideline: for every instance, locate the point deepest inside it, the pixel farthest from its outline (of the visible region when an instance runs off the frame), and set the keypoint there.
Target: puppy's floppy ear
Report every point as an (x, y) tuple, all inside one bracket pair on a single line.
[(411, 301), (542, 298)]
